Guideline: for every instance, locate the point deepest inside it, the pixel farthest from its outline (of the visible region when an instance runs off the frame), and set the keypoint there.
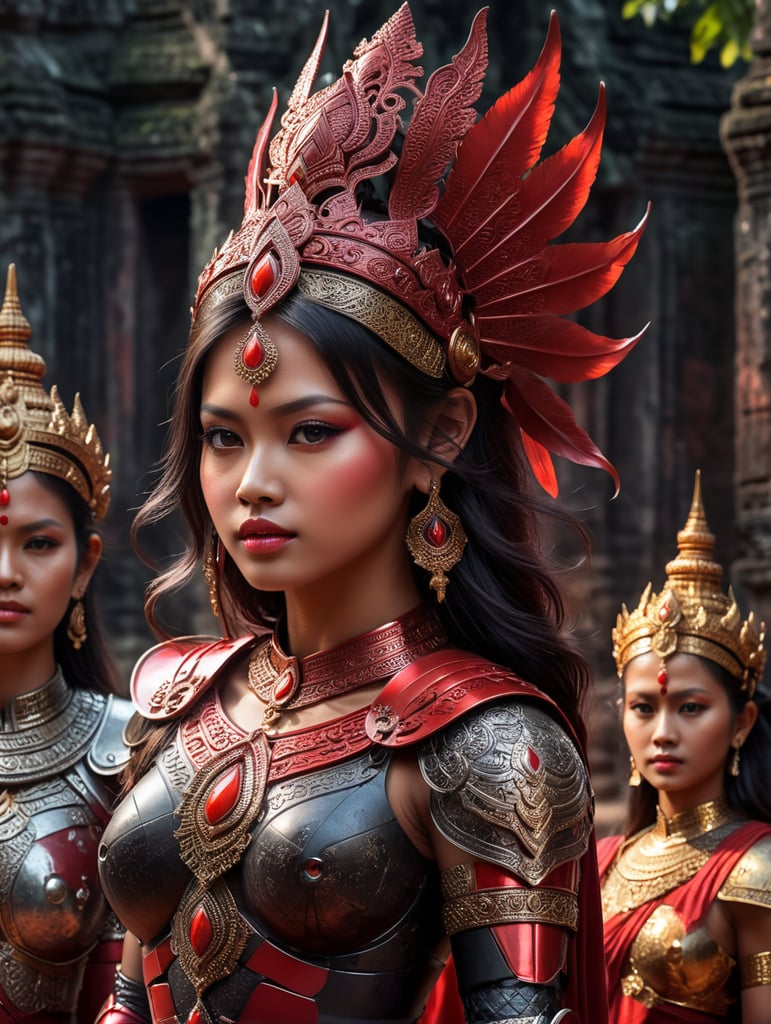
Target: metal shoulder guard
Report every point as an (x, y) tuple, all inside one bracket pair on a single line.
[(748, 881), (170, 677), (109, 752), (508, 786)]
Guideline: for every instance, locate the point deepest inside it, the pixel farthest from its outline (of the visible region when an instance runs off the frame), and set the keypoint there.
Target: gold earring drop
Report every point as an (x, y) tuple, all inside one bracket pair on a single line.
[(210, 573), (634, 774), (436, 540), (733, 768), (76, 627)]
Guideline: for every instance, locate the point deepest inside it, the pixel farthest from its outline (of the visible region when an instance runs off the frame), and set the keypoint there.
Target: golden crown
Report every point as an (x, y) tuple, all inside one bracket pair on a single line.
[(692, 615), (36, 432)]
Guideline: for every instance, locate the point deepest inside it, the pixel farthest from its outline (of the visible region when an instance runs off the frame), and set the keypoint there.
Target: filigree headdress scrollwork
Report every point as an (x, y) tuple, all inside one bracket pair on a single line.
[(36, 431), (452, 267), (692, 614)]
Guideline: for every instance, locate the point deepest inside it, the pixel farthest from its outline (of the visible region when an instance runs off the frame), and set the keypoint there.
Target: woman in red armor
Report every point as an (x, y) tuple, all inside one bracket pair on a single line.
[(60, 727), (686, 895), (383, 756)]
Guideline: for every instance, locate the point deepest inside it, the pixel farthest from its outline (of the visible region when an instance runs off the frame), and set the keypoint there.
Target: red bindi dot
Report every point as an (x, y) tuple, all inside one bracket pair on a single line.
[(662, 679), (3, 520)]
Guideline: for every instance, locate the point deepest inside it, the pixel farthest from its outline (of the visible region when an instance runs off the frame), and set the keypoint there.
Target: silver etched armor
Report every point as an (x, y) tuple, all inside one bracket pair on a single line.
[(59, 748), (509, 786)]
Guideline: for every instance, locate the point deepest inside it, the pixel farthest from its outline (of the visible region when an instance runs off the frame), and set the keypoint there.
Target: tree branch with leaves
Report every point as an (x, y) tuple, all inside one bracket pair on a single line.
[(724, 25)]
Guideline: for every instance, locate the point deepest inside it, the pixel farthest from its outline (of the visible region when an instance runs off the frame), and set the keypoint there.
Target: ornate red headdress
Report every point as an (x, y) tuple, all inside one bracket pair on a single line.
[(455, 271)]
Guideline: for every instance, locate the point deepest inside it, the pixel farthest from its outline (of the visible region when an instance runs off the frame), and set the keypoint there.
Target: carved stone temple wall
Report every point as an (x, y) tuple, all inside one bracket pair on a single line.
[(125, 130)]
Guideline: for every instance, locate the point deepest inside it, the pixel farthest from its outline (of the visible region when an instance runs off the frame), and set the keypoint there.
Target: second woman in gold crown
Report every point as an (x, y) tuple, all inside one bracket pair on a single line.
[(686, 892)]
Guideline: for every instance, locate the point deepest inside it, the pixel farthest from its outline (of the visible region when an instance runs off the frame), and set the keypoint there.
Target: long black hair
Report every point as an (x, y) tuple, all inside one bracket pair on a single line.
[(503, 600)]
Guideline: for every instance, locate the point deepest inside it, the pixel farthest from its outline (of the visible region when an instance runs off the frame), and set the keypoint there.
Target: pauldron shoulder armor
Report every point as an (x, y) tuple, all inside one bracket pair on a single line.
[(109, 752), (509, 786), (171, 676), (748, 881)]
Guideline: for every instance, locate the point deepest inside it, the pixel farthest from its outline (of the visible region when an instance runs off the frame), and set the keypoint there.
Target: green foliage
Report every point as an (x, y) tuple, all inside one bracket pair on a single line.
[(724, 25)]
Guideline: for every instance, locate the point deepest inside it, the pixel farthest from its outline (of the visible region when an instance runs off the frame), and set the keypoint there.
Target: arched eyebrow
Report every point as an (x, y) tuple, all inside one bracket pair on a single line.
[(294, 406)]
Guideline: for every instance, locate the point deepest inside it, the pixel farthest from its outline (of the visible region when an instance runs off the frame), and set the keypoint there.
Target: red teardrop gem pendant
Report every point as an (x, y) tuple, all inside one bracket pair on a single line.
[(200, 932), (283, 689), (253, 353), (263, 276), (436, 532), (224, 796), (5, 497), (533, 759)]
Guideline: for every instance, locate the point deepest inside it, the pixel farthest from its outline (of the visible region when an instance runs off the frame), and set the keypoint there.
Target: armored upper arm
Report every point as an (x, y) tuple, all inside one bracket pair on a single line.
[(509, 786), (748, 880)]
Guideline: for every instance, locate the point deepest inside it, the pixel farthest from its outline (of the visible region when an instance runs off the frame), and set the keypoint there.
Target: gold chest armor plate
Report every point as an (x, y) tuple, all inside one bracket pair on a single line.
[(667, 965)]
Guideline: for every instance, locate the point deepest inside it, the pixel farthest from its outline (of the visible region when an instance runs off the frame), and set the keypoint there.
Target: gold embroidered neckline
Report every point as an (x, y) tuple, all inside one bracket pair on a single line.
[(663, 857)]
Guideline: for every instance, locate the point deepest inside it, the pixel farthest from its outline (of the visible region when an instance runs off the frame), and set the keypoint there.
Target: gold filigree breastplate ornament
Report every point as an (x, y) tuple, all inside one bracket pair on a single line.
[(665, 963)]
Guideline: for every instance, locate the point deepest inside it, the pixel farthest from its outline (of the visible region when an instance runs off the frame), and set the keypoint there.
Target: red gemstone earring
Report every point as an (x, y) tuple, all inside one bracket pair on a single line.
[(436, 540), (662, 677)]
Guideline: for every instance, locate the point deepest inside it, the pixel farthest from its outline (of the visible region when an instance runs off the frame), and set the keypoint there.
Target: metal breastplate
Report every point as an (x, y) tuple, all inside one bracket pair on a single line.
[(666, 963), (329, 883), (52, 911)]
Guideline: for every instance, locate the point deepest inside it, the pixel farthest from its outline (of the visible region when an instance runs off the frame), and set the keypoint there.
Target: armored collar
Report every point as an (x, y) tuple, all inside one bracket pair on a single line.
[(665, 856), (47, 730), (283, 682)]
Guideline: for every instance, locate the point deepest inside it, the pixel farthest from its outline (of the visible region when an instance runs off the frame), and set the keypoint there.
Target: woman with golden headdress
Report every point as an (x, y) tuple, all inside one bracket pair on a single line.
[(61, 726), (686, 890), (383, 757)]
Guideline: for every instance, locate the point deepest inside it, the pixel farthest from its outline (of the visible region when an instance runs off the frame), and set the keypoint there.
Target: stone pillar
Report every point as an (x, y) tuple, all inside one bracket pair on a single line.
[(746, 137)]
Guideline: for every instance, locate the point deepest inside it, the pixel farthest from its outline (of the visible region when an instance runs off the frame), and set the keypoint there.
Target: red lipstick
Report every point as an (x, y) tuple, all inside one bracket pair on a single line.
[(261, 536)]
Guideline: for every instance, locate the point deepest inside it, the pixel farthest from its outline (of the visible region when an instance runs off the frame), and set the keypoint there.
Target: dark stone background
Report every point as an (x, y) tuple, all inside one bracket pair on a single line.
[(125, 130)]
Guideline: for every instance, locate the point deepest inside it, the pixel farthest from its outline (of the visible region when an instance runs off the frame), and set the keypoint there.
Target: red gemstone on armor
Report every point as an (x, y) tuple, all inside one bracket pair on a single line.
[(436, 532), (263, 276), (5, 498), (195, 1017), (313, 868), (254, 398), (200, 932), (533, 759), (283, 688), (224, 796), (664, 612), (253, 353)]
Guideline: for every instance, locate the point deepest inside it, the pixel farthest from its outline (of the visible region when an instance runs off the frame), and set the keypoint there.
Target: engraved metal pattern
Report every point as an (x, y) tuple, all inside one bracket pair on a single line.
[(755, 970), (665, 856), (748, 881), (228, 934), (31, 991), (666, 965), (36, 431), (518, 1002), (376, 655), (378, 312), (508, 786), (210, 849), (691, 614), (47, 731), (509, 905), (294, 754), (209, 732)]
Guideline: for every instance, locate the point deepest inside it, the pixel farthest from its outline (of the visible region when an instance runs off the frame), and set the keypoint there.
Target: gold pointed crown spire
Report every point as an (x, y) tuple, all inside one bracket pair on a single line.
[(36, 431), (692, 614)]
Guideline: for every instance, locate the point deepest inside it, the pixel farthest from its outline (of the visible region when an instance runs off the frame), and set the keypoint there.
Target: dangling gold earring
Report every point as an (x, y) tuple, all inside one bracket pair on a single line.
[(634, 775), (76, 627), (210, 565), (436, 540), (733, 768)]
